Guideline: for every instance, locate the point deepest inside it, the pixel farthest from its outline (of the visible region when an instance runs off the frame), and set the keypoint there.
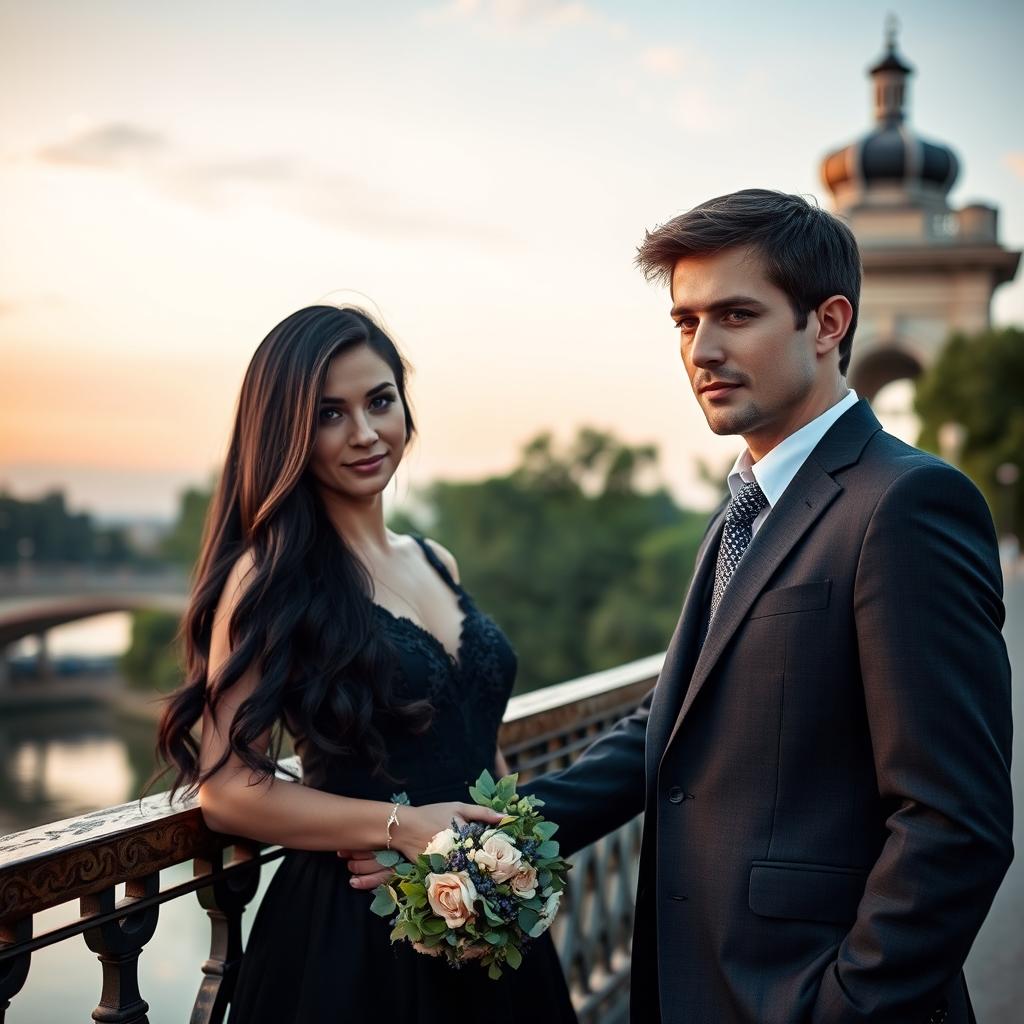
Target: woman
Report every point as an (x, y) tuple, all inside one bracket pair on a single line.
[(309, 615)]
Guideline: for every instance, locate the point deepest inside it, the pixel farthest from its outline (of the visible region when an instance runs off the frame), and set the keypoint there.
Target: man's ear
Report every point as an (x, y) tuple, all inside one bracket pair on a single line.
[(835, 315)]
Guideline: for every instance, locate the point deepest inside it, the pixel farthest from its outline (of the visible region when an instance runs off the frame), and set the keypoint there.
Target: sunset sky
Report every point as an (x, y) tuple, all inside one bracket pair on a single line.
[(176, 178)]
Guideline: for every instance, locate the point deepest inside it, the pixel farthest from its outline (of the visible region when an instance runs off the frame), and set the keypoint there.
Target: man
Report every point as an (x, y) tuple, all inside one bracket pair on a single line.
[(824, 762)]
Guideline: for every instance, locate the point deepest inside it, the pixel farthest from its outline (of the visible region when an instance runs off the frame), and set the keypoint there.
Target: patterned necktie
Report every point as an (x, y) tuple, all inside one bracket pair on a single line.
[(736, 536)]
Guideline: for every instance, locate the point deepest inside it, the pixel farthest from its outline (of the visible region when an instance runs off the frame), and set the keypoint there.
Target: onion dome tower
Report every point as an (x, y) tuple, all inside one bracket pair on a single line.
[(929, 269)]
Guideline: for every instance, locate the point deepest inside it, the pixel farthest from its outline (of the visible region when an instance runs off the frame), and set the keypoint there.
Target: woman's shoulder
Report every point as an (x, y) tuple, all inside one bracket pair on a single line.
[(446, 558)]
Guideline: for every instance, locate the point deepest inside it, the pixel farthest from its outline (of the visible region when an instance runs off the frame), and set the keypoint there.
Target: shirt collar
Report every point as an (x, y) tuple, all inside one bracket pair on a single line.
[(776, 470)]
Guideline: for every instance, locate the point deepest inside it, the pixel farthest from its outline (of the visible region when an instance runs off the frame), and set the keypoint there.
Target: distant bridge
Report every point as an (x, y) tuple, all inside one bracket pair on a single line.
[(34, 601)]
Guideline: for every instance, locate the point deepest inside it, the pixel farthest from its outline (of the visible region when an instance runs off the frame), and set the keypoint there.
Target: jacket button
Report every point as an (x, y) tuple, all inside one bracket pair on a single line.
[(676, 795)]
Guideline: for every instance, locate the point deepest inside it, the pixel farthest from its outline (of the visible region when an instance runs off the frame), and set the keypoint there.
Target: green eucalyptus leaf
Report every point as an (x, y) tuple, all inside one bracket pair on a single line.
[(527, 919), (549, 848), (387, 858), (494, 972), (545, 829), (438, 863), (405, 869), (513, 957), (486, 783), (434, 926), (384, 901), (479, 797)]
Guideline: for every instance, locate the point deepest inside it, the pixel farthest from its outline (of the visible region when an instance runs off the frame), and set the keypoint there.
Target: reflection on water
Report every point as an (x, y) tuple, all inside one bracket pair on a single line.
[(66, 777), (59, 763)]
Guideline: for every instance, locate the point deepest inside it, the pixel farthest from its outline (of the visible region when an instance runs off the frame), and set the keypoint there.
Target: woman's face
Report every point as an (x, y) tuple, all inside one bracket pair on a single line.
[(361, 426)]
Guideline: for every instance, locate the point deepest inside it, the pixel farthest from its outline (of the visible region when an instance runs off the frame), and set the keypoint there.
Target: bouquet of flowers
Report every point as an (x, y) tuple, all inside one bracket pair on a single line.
[(478, 892)]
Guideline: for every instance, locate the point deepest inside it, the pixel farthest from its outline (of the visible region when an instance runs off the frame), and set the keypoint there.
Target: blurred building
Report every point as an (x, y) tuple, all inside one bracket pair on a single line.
[(929, 269)]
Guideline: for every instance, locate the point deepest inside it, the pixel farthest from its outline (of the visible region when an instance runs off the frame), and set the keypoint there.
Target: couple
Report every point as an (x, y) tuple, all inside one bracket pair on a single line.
[(823, 764)]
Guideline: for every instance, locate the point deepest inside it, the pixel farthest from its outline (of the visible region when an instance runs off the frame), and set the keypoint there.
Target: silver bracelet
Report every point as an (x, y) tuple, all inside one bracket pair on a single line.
[(392, 820)]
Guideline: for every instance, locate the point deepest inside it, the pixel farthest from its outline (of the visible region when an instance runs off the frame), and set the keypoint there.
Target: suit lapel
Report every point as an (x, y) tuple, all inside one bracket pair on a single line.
[(803, 502), (681, 653)]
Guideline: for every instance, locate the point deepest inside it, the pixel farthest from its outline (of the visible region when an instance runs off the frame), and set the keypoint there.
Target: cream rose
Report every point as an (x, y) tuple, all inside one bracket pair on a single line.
[(524, 882), (498, 855), (451, 896), (442, 843)]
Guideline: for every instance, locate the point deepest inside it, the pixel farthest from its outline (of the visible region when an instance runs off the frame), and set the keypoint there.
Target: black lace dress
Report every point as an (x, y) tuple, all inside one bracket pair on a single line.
[(316, 953)]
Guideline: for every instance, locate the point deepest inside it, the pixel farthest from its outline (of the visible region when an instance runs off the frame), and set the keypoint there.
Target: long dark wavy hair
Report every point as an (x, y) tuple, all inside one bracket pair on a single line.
[(304, 619)]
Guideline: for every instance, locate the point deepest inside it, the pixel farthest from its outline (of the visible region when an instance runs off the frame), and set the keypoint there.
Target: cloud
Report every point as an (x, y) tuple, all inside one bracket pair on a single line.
[(1015, 161), (318, 194), (109, 145), (662, 61), (543, 16)]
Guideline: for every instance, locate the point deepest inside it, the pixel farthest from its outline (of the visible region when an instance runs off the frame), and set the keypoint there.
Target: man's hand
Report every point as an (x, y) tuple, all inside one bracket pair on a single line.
[(366, 872), (418, 825)]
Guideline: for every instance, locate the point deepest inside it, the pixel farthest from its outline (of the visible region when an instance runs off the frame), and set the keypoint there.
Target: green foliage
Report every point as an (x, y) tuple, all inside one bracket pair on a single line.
[(978, 382), (581, 567), (44, 531), (153, 659), (181, 545)]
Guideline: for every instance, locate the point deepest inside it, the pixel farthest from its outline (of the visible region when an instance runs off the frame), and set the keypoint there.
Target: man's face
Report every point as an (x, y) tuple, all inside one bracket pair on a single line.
[(752, 371)]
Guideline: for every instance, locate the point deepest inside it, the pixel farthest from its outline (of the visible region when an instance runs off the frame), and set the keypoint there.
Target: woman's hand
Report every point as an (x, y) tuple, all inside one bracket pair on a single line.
[(417, 826)]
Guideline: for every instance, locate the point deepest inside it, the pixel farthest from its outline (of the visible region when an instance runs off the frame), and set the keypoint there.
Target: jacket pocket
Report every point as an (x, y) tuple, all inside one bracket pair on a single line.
[(804, 597), (806, 892)]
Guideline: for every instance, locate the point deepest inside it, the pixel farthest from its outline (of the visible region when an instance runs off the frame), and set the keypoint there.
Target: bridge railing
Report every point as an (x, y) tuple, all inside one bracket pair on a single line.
[(89, 857)]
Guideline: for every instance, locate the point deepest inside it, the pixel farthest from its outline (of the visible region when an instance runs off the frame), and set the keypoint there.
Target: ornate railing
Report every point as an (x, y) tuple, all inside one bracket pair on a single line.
[(87, 858)]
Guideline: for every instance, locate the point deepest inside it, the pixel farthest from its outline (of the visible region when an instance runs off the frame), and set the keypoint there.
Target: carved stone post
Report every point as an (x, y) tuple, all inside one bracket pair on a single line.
[(224, 901), (14, 971), (118, 944)]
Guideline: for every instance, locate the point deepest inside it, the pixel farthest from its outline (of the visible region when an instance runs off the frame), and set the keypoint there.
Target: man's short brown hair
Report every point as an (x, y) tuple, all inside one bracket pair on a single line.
[(807, 252)]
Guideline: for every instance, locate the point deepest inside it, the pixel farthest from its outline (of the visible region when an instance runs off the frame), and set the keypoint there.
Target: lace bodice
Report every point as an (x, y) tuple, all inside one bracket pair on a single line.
[(468, 692)]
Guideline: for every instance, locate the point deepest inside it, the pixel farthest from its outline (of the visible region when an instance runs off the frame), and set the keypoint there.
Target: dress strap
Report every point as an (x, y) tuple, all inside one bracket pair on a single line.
[(439, 566)]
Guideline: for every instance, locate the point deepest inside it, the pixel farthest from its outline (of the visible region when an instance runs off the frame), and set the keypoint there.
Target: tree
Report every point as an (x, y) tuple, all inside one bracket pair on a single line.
[(44, 531), (181, 545), (581, 567), (978, 382), (154, 657)]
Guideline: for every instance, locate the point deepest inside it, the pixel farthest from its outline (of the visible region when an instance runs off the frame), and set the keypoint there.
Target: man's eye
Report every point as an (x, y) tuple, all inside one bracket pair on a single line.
[(740, 314), (685, 324)]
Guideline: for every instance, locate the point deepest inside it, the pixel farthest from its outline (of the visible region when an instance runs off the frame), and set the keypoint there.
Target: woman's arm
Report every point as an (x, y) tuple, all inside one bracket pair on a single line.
[(287, 813)]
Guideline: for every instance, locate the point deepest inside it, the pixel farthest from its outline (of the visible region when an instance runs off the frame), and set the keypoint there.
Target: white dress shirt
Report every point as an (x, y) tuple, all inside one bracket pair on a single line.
[(776, 470)]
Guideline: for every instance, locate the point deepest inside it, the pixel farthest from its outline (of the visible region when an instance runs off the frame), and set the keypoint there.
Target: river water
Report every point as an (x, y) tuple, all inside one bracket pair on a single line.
[(60, 762)]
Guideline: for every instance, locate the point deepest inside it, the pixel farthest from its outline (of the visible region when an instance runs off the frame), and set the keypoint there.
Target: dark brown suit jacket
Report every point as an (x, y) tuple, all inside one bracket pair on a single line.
[(826, 776)]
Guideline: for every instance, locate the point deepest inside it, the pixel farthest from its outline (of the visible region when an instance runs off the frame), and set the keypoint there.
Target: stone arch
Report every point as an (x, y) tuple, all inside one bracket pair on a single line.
[(882, 366)]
